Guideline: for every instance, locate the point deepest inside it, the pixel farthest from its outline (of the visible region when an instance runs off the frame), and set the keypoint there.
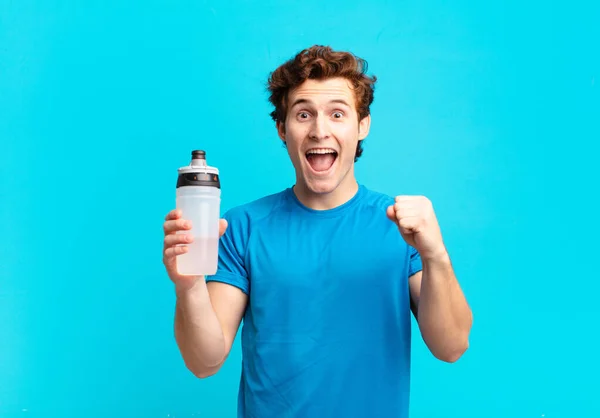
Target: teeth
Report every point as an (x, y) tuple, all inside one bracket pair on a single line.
[(320, 151)]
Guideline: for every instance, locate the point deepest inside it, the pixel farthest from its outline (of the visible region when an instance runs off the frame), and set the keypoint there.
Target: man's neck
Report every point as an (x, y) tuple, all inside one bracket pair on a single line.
[(324, 201)]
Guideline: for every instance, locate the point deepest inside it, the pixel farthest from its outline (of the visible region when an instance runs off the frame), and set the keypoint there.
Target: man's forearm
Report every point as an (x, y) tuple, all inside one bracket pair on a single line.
[(197, 330), (443, 314)]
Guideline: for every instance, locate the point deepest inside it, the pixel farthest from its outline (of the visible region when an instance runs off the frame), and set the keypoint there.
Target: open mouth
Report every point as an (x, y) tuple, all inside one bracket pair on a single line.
[(321, 159)]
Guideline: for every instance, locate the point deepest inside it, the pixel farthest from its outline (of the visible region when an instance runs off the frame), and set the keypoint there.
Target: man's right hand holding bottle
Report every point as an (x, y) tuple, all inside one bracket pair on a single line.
[(176, 242)]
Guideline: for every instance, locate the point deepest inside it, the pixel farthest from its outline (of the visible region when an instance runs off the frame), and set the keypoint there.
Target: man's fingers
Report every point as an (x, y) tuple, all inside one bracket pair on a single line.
[(177, 225), (391, 213), (172, 252), (176, 239), (222, 227), (408, 224), (405, 211), (174, 214), (408, 198)]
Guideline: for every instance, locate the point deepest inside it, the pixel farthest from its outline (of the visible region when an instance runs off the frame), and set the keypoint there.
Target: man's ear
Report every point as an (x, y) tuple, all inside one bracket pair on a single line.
[(363, 127), (281, 130)]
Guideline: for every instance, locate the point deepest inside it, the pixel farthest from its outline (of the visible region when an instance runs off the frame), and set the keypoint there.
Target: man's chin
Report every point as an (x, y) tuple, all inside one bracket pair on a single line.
[(320, 186)]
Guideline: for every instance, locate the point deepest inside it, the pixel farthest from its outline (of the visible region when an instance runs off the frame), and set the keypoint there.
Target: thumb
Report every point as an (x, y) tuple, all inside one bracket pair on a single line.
[(391, 214), (222, 227)]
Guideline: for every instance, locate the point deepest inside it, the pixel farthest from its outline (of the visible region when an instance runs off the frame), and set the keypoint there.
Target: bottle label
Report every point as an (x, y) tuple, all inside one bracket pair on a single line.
[(198, 179)]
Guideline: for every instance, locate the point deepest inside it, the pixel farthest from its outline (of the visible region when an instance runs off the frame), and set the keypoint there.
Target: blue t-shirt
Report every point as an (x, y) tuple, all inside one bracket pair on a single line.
[(327, 329)]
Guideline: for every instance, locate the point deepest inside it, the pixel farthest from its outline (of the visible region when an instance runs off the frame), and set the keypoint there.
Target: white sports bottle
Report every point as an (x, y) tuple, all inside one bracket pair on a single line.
[(198, 196)]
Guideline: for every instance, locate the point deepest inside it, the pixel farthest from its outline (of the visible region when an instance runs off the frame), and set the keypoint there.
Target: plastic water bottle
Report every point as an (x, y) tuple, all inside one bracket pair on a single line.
[(198, 196)]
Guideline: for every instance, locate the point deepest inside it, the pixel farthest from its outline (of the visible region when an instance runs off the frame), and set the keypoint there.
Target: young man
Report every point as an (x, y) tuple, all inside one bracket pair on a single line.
[(325, 273)]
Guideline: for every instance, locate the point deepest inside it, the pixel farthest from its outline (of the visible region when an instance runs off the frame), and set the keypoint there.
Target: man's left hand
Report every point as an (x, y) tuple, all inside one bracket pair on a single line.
[(418, 225)]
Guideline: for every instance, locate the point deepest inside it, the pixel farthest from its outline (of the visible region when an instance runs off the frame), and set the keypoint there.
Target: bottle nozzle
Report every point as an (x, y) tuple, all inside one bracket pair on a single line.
[(198, 155), (198, 158)]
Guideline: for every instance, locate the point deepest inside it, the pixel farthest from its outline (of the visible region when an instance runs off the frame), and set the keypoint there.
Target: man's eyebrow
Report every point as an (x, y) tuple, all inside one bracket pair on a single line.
[(340, 101), (305, 101), (300, 101)]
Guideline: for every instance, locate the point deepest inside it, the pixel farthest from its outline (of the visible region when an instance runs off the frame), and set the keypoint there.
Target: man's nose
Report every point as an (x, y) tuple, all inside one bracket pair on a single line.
[(320, 128)]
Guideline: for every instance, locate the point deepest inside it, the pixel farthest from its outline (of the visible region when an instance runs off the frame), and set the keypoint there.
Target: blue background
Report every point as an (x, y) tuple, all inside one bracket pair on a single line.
[(491, 110)]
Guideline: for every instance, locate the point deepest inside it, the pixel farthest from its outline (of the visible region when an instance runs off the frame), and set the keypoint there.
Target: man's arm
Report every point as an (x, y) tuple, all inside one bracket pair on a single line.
[(436, 298), (441, 309), (207, 318)]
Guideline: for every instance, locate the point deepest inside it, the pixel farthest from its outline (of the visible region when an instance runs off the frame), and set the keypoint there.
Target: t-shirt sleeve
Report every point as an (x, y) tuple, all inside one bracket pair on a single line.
[(232, 248), (415, 262)]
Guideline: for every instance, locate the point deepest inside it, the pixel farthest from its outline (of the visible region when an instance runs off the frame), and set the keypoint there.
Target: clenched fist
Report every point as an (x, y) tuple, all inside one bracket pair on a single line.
[(175, 243), (418, 225)]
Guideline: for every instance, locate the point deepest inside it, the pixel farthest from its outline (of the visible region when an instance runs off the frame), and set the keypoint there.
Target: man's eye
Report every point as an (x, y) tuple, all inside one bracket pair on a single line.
[(303, 115), (338, 115)]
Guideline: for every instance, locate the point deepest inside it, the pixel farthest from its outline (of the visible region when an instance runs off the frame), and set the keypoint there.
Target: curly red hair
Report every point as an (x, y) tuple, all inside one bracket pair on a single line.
[(319, 63)]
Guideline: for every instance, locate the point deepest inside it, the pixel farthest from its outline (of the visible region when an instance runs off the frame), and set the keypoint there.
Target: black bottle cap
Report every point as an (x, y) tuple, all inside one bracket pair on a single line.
[(198, 155)]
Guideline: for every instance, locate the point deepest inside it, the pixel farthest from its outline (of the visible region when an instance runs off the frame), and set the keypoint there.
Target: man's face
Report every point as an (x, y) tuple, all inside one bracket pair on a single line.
[(322, 131)]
